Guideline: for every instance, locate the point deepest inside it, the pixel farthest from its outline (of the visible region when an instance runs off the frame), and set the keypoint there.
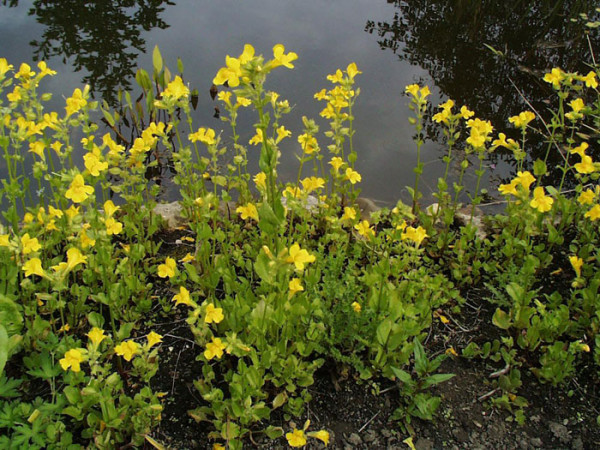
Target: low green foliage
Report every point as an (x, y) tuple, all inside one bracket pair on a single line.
[(280, 277)]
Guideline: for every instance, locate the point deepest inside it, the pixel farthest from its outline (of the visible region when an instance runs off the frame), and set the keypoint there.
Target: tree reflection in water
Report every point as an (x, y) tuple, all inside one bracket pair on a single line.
[(447, 37), (102, 36)]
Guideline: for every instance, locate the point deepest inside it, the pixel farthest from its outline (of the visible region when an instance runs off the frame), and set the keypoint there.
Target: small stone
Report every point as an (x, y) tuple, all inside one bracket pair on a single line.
[(536, 442), (370, 436), (577, 444), (354, 439), (386, 433), (424, 444), (560, 432)]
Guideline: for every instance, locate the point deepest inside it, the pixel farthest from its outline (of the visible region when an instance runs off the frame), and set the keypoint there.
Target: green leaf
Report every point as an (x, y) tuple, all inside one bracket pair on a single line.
[(157, 61), (501, 319), (274, 432), (383, 332), (403, 376), (3, 348), (432, 380), (539, 168)]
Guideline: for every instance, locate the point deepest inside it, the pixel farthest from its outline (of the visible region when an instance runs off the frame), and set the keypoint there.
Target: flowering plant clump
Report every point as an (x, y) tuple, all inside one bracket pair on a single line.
[(277, 276)]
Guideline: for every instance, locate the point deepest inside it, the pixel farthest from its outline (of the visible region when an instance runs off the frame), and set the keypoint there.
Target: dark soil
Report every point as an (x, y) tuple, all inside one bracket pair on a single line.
[(356, 417)]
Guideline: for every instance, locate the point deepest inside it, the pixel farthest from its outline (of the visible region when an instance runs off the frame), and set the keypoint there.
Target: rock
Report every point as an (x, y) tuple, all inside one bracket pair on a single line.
[(536, 442), (577, 444), (560, 432), (367, 207), (354, 439), (370, 436), (424, 444), (460, 434), (171, 214)]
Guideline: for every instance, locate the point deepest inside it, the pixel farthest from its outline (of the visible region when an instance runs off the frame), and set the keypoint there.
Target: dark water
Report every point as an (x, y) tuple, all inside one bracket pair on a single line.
[(394, 43)]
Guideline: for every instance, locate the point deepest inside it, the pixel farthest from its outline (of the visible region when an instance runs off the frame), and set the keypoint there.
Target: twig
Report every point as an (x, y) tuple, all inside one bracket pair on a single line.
[(489, 394), (175, 372), (500, 372), (388, 389), (369, 421)]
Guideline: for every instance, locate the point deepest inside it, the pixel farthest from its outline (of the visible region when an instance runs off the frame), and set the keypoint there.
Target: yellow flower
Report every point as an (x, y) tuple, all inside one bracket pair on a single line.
[(541, 201), (214, 349), (577, 105), (183, 298), (153, 339), (225, 96), (522, 119), (296, 438), (72, 212), (168, 268), (364, 229), (24, 72), (248, 211), (577, 263), (45, 70), (260, 180), (74, 258), (212, 314), (295, 285), (310, 184), (257, 138), (349, 213), (414, 234), (412, 89), (187, 258), (585, 166), (113, 226), (466, 113), (4, 66), (85, 240), (93, 163), (321, 95), (322, 435), (580, 149), (510, 188), (589, 80), (204, 135), (281, 59), (29, 244), (555, 77), (356, 307), (127, 349), (4, 242), (353, 176), (73, 359), (110, 208), (586, 197), (15, 95), (594, 213), (352, 70), (299, 257), (282, 133), (176, 89), (336, 162), (53, 212), (75, 102), (229, 74), (34, 267), (78, 191), (525, 179), (96, 335), (503, 142), (243, 101), (218, 447), (38, 148)]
